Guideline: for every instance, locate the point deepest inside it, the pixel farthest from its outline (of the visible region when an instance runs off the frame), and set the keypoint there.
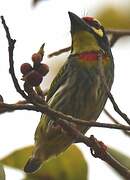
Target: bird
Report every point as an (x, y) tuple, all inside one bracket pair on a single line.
[(77, 90)]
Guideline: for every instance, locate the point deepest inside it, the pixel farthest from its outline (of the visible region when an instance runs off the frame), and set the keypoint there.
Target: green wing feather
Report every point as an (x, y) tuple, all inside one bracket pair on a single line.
[(56, 83), (58, 80)]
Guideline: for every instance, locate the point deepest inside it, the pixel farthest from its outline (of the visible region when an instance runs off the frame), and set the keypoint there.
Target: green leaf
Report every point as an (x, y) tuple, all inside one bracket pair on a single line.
[(2, 173), (18, 158), (70, 165), (121, 157)]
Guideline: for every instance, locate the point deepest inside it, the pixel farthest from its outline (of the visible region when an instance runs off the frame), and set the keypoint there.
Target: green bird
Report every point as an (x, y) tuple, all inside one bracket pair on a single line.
[(77, 89)]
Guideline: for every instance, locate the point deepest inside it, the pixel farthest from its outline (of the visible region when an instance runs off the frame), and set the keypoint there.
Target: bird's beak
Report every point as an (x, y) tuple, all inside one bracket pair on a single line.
[(78, 24)]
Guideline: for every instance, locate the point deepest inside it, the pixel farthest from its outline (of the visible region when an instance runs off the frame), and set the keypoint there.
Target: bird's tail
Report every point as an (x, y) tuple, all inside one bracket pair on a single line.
[(32, 165)]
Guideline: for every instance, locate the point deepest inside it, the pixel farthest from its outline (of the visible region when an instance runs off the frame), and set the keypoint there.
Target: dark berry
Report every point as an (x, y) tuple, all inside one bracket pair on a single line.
[(36, 58), (25, 68), (43, 69), (34, 78)]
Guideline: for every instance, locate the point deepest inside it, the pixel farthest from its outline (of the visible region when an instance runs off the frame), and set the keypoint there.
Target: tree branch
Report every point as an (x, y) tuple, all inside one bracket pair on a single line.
[(116, 122), (11, 43), (4, 107), (120, 32), (99, 152), (56, 53), (116, 34)]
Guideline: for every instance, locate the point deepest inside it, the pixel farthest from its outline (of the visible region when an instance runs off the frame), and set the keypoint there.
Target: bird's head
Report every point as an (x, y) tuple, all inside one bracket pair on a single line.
[(88, 35)]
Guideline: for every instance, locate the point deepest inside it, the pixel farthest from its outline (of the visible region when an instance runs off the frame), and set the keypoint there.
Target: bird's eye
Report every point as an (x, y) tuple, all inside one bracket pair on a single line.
[(92, 22), (96, 24)]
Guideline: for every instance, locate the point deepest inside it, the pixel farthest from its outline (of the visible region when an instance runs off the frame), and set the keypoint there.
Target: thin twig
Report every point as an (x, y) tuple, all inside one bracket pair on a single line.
[(110, 96), (4, 107), (11, 43), (117, 34), (121, 32), (56, 53), (116, 122)]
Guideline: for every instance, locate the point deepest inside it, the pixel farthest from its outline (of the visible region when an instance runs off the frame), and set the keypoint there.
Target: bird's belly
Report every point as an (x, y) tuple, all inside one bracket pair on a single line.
[(84, 99)]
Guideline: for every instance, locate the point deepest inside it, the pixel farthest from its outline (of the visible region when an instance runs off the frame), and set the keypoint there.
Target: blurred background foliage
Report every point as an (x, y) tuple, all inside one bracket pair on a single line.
[(70, 165), (114, 17), (121, 157)]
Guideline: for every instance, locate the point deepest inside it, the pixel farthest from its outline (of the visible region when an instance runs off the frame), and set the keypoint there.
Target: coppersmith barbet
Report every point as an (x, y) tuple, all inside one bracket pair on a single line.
[(77, 89)]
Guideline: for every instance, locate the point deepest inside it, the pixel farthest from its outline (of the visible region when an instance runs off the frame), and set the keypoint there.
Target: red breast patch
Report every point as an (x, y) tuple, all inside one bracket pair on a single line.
[(89, 56)]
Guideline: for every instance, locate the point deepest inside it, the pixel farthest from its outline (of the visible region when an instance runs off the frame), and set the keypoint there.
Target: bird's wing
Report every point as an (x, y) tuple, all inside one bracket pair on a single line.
[(58, 80)]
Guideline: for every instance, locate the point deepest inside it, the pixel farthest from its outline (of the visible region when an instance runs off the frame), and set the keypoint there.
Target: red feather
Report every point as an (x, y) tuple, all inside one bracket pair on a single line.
[(88, 18), (89, 56)]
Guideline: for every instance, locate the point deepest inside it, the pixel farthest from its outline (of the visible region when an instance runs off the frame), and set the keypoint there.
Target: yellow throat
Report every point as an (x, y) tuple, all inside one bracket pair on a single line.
[(84, 41)]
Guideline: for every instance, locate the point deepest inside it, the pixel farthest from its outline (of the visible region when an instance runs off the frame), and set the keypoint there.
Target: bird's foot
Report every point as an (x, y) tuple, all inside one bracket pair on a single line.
[(98, 148)]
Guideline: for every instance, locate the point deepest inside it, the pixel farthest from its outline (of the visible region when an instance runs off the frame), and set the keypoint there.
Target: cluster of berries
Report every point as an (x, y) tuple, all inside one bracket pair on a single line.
[(34, 75)]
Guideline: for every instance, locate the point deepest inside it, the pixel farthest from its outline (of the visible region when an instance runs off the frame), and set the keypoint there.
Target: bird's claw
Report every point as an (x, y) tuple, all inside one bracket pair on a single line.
[(99, 147)]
